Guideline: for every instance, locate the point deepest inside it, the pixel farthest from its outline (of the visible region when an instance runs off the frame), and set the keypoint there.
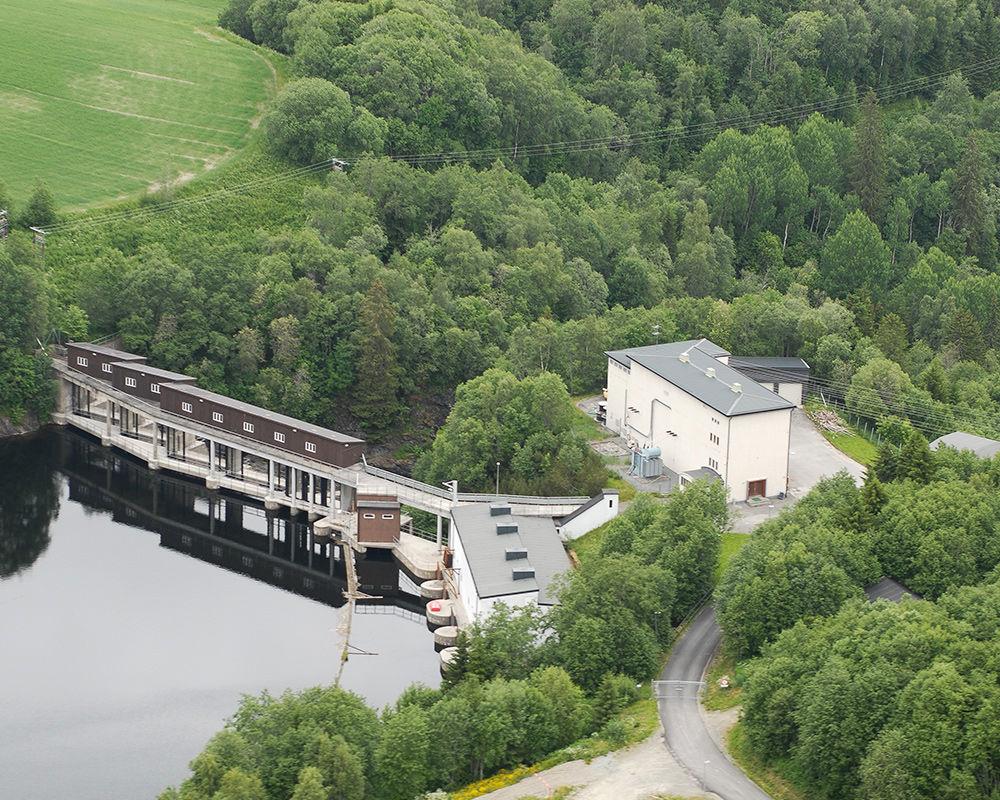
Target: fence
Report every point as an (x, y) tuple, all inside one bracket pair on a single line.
[(865, 427)]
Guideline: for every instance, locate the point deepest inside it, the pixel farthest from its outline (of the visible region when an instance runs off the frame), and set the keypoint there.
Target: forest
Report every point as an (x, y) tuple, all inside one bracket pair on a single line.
[(533, 183), (876, 700)]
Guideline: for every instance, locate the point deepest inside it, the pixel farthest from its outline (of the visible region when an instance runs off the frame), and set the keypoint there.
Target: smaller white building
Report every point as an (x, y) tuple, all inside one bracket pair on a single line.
[(786, 376), (499, 557), (706, 418), (595, 512)]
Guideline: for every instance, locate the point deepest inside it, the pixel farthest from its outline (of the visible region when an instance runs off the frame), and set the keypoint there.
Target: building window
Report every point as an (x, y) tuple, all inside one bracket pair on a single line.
[(248, 427), (713, 464), (388, 516), (154, 388), (369, 516), (130, 382), (81, 361), (105, 367), (310, 447), (279, 437), (186, 407), (217, 416), (714, 438)]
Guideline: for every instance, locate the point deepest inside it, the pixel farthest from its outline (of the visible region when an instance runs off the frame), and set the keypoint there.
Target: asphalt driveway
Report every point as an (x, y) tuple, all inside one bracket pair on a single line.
[(687, 735), (811, 458)]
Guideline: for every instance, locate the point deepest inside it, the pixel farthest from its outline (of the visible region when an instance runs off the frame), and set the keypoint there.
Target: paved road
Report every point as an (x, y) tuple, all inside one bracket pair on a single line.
[(680, 712), (811, 458)]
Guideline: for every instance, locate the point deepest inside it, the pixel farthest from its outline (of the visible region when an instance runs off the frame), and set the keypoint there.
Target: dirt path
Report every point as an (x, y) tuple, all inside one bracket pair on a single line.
[(639, 772)]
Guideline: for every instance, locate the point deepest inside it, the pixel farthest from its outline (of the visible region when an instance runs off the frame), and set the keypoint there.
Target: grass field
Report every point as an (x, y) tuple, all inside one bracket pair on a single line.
[(102, 99)]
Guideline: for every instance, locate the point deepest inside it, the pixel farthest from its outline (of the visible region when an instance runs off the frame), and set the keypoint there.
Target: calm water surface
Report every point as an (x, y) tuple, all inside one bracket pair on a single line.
[(136, 608)]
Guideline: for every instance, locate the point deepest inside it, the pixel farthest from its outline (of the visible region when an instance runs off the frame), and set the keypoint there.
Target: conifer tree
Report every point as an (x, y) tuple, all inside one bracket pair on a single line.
[(886, 462), (459, 665), (970, 212), (40, 211), (870, 169), (873, 496), (376, 404), (964, 331), (915, 459)]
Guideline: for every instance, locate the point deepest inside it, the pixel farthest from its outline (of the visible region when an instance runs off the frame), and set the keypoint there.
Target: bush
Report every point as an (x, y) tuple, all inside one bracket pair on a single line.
[(615, 693)]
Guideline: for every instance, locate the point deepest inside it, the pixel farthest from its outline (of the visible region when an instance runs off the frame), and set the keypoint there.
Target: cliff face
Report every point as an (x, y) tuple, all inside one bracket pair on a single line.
[(28, 424)]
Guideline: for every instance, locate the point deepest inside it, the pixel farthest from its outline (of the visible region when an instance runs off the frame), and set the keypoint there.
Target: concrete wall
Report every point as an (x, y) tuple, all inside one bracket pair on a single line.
[(759, 447), (475, 606), (792, 392), (692, 434), (618, 377), (606, 508)]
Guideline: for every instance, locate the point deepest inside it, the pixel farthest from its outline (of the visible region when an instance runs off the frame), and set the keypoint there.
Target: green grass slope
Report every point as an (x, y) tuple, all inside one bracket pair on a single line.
[(102, 99)]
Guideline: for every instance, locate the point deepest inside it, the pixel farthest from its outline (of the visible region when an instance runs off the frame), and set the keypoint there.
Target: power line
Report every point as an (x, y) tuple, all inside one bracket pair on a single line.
[(549, 149), (912, 409)]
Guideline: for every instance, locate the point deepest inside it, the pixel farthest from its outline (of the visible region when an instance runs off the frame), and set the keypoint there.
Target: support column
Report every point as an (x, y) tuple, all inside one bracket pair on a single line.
[(154, 463), (212, 479), (347, 494), (106, 439), (270, 504), (439, 525)]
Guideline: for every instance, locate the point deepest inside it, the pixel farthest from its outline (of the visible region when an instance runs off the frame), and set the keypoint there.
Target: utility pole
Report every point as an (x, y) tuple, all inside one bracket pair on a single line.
[(39, 239)]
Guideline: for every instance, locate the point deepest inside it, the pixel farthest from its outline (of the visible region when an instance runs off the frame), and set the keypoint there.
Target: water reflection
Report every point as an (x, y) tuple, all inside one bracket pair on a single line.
[(224, 530), (124, 649), (29, 502)]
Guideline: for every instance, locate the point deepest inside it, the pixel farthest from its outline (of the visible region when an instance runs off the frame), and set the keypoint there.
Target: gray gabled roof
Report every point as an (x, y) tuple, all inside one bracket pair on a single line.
[(689, 366), (980, 445), (486, 551), (772, 369)]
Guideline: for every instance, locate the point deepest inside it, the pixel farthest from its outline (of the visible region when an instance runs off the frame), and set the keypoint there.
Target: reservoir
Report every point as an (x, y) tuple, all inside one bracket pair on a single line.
[(136, 608)]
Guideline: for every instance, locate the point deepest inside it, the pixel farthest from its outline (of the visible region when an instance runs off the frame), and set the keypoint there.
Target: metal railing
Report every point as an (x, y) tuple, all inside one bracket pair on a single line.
[(467, 497), (402, 480)]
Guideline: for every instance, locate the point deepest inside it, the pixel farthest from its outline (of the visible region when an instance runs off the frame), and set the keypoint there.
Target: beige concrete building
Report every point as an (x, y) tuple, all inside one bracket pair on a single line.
[(706, 418)]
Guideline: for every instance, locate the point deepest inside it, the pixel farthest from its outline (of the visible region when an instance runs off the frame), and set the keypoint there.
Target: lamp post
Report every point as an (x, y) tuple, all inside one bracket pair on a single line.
[(656, 623), (498, 479)]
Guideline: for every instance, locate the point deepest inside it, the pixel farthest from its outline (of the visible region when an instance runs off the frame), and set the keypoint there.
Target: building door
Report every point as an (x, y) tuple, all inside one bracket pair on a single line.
[(757, 488)]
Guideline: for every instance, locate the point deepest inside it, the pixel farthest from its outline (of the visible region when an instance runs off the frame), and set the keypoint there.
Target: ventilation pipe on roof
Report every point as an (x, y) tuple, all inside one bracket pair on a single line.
[(737, 387), (710, 372), (684, 358)]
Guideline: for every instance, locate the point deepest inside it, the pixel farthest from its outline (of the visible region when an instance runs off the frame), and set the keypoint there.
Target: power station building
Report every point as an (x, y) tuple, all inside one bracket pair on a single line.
[(706, 418)]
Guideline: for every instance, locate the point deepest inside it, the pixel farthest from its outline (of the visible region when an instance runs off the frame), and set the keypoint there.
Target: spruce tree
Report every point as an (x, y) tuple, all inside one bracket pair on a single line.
[(935, 380), (376, 404), (970, 212), (886, 462), (964, 331), (873, 496), (40, 212), (869, 170), (458, 667), (915, 459)]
